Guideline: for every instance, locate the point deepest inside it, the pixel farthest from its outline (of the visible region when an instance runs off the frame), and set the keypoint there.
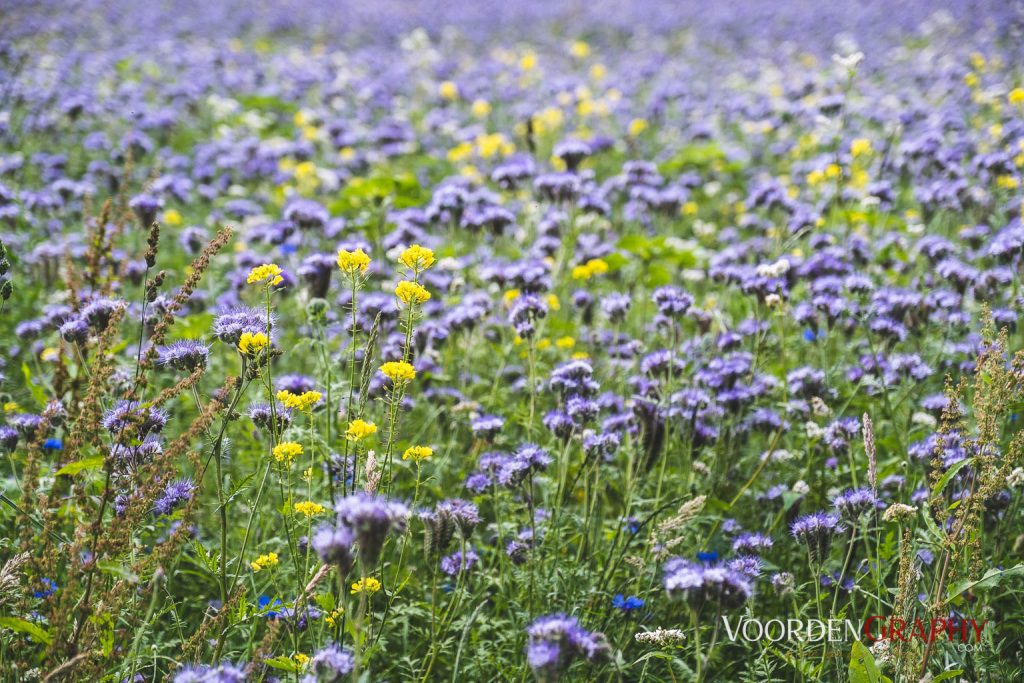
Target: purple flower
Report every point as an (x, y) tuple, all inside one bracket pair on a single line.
[(703, 584), (187, 355), (331, 664), (176, 493), (557, 640), (371, 518), (816, 531), (456, 563)]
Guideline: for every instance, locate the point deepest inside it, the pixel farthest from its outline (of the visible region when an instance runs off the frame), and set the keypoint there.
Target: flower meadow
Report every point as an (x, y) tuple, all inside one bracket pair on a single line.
[(508, 341)]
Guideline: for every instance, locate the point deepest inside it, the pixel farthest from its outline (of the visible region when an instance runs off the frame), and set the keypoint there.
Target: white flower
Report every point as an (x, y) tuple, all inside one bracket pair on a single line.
[(801, 488), (924, 420), (813, 430), (1016, 477)]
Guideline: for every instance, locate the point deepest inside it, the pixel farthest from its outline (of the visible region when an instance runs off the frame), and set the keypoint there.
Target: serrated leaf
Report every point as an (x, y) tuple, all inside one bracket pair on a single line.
[(34, 631), (81, 466)]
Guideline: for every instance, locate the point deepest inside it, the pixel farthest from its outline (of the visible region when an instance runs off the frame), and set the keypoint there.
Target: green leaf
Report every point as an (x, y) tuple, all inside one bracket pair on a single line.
[(82, 465), (991, 578), (946, 675), (950, 473), (283, 663), (34, 631), (862, 665), (929, 521), (37, 391)]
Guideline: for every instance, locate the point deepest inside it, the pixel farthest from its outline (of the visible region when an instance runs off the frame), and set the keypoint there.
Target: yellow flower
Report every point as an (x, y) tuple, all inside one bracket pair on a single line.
[(1016, 96), (264, 561), (598, 72), (300, 659), (287, 451), (860, 147), (511, 295), (268, 272), (172, 217), (303, 401), (565, 342), (368, 585), (448, 90), (357, 429), (528, 62), (332, 618), (481, 108), (590, 269), (411, 292), (398, 371), (636, 126), (689, 208), (11, 407), (553, 303), (579, 50), (309, 508), (251, 343), (417, 258), (417, 453), (460, 152), (352, 262)]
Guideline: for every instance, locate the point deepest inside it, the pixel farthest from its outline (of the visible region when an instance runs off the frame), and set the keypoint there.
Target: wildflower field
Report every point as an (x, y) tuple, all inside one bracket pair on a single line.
[(511, 341)]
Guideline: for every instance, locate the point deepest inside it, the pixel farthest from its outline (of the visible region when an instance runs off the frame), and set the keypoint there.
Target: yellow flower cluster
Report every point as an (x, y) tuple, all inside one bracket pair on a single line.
[(417, 453), (860, 147), (398, 371), (411, 292), (331, 618), (303, 401), (268, 272), (264, 561), (368, 585), (251, 343), (417, 258), (353, 262), (287, 451), (594, 266), (309, 508), (357, 429)]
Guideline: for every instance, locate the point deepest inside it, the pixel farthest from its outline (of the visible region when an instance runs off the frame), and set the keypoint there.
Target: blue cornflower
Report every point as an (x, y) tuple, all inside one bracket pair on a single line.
[(627, 604), (49, 588)]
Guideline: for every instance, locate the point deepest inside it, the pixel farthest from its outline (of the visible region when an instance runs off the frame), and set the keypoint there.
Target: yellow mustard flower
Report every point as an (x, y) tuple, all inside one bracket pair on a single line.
[(860, 147), (358, 429), (481, 108), (417, 258), (268, 273), (448, 90), (367, 585), (353, 262), (303, 401), (398, 371), (172, 217), (251, 343), (565, 342), (309, 508), (411, 292), (579, 49), (331, 618), (301, 659), (286, 451), (636, 127), (589, 269), (417, 453), (264, 561), (1016, 96)]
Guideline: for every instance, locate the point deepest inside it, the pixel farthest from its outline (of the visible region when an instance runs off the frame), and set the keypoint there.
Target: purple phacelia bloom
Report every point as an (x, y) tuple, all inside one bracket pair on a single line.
[(456, 563), (702, 584), (557, 640), (177, 493), (816, 531), (187, 355)]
